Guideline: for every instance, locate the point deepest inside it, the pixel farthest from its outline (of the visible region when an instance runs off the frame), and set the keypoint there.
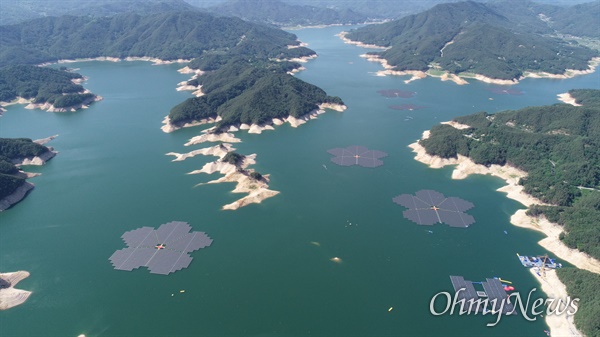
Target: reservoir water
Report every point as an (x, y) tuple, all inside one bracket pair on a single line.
[(262, 276)]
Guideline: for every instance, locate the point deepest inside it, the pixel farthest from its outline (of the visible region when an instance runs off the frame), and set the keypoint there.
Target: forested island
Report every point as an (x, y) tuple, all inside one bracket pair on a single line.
[(500, 40), (559, 148), (239, 92), (14, 152)]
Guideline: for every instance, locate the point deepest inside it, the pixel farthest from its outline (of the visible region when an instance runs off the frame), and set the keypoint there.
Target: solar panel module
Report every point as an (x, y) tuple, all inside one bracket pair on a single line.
[(428, 207), (163, 251)]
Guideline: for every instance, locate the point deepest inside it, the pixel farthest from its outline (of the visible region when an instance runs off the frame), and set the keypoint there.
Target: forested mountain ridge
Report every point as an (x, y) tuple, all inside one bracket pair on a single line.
[(167, 36), (16, 11), (227, 46), (279, 13), (386, 9), (494, 40)]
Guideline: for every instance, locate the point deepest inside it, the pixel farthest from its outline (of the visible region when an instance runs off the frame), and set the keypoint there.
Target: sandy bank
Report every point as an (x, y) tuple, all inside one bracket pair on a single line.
[(568, 99), (490, 80), (10, 297), (297, 121), (257, 190), (561, 325), (43, 141), (296, 70), (196, 90), (553, 243), (300, 44), (465, 167), (188, 70), (225, 137), (18, 195), (460, 78), (302, 59), (342, 35), (217, 150), (415, 74), (36, 160), (49, 107), (258, 128), (569, 73), (154, 60), (168, 127)]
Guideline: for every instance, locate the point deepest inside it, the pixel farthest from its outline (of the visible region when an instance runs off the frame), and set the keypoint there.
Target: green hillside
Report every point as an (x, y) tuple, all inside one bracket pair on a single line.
[(166, 36), (245, 61), (16, 11), (42, 85), (558, 146), (240, 93), (11, 149), (493, 40), (584, 285)]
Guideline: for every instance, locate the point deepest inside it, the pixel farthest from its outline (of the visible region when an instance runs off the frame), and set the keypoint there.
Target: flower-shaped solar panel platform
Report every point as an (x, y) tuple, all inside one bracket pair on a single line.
[(163, 251), (357, 155), (428, 207)]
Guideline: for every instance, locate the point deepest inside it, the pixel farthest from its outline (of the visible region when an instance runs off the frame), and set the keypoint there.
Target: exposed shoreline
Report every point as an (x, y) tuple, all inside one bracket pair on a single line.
[(559, 325), (11, 297), (256, 128), (563, 325), (21, 192), (568, 99), (16, 196), (84, 105), (154, 60), (342, 35), (256, 190), (49, 107), (460, 79)]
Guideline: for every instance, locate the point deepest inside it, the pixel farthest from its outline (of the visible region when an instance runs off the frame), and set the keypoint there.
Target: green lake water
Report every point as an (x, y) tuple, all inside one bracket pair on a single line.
[(262, 276)]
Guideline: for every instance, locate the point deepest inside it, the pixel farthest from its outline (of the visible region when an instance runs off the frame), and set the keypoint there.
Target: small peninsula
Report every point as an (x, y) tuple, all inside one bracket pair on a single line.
[(237, 93), (9, 295), (234, 168), (15, 152), (43, 88), (551, 165), (494, 43)]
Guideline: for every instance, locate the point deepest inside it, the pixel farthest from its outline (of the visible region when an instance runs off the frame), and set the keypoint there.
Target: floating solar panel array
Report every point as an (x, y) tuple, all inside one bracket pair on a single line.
[(357, 155), (428, 207), (164, 250)]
